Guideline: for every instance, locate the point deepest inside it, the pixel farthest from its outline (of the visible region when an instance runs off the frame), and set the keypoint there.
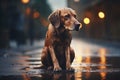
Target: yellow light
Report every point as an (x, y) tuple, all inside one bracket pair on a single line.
[(86, 20), (25, 1), (101, 15)]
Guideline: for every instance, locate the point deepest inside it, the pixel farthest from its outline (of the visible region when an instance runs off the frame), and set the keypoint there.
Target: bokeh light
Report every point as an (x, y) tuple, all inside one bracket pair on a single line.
[(25, 1), (36, 14), (101, 15), (86, 20), (28, 11)]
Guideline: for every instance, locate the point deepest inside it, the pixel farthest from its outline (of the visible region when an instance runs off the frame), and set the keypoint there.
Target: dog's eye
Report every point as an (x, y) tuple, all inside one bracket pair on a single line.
[(67, 16), (75, 16)]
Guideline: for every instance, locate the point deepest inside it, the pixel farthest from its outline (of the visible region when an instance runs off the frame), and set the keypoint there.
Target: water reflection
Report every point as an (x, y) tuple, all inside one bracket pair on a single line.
[(102, 52), (58, 76), (83, 64), (25, 77), (78, 76), (88, 61)]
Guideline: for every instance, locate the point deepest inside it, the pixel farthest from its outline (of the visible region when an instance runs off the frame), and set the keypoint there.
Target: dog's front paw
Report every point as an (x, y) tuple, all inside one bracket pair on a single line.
[(57, 68), (69, 68)]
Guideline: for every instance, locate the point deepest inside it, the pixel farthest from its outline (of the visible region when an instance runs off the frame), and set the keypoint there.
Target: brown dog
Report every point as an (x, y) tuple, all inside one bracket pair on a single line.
[(57, 53)]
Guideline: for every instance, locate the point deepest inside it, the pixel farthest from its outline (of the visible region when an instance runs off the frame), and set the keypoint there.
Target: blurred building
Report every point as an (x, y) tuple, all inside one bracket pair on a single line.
[(21, 20), (103, 15)]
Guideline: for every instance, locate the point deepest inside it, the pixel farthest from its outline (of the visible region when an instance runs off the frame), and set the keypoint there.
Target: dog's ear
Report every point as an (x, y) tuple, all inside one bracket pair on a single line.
[(72, 11), (54, 18)]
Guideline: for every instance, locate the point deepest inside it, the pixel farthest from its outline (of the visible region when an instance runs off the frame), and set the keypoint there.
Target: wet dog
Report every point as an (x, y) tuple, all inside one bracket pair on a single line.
[(57, 53)]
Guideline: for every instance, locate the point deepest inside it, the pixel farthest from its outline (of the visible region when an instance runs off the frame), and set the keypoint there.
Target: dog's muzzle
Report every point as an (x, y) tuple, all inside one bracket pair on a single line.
[(78, 26)]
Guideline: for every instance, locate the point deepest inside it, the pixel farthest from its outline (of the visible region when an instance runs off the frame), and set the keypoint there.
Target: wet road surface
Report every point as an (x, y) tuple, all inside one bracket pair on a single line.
[(94, 60)]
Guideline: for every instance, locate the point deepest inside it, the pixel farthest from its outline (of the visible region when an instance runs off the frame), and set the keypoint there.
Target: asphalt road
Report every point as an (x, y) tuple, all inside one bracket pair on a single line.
[(94, 60)]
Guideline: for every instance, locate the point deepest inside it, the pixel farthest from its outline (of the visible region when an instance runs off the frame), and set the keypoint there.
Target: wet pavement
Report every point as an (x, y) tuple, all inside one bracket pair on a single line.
[(94, 60)]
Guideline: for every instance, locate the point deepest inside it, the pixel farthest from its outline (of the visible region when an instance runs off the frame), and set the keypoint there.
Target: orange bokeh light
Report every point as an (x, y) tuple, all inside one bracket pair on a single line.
[(28, 11), (25, 1), (36, 14)]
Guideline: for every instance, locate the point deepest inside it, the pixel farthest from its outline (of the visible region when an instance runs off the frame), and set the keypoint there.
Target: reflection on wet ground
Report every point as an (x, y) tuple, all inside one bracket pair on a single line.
[(92, 62)]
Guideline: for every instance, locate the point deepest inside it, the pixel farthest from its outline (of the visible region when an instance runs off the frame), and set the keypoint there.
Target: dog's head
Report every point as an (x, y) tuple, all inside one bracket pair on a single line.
[(65, 17)]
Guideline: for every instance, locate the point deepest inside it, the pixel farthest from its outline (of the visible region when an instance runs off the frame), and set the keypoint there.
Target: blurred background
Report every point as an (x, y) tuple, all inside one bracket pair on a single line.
[(22, 22)]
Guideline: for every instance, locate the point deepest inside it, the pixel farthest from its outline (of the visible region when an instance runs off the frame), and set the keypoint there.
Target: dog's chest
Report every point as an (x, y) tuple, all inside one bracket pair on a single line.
[(61, 42), (62, 39)]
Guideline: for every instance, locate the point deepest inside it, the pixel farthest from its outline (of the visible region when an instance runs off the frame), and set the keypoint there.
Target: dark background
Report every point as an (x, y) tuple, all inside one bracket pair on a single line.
[(21, 22)]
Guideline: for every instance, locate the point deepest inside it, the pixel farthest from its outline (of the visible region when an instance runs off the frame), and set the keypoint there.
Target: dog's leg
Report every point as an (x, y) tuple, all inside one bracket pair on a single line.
[(46, 58), (69, 57), (67, 53), (72, 55), (54, 59)]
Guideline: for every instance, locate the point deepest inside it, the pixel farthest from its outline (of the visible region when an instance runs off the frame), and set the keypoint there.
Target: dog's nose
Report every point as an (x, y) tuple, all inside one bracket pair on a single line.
[(77, 27)]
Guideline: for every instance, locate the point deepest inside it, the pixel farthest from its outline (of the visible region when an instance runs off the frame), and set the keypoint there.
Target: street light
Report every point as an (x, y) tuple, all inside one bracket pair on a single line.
[(101, 15), (86, 20), (25, 1)]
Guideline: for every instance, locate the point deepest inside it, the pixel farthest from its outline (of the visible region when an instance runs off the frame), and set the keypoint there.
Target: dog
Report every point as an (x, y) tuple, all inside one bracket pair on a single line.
[(57, 53)]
